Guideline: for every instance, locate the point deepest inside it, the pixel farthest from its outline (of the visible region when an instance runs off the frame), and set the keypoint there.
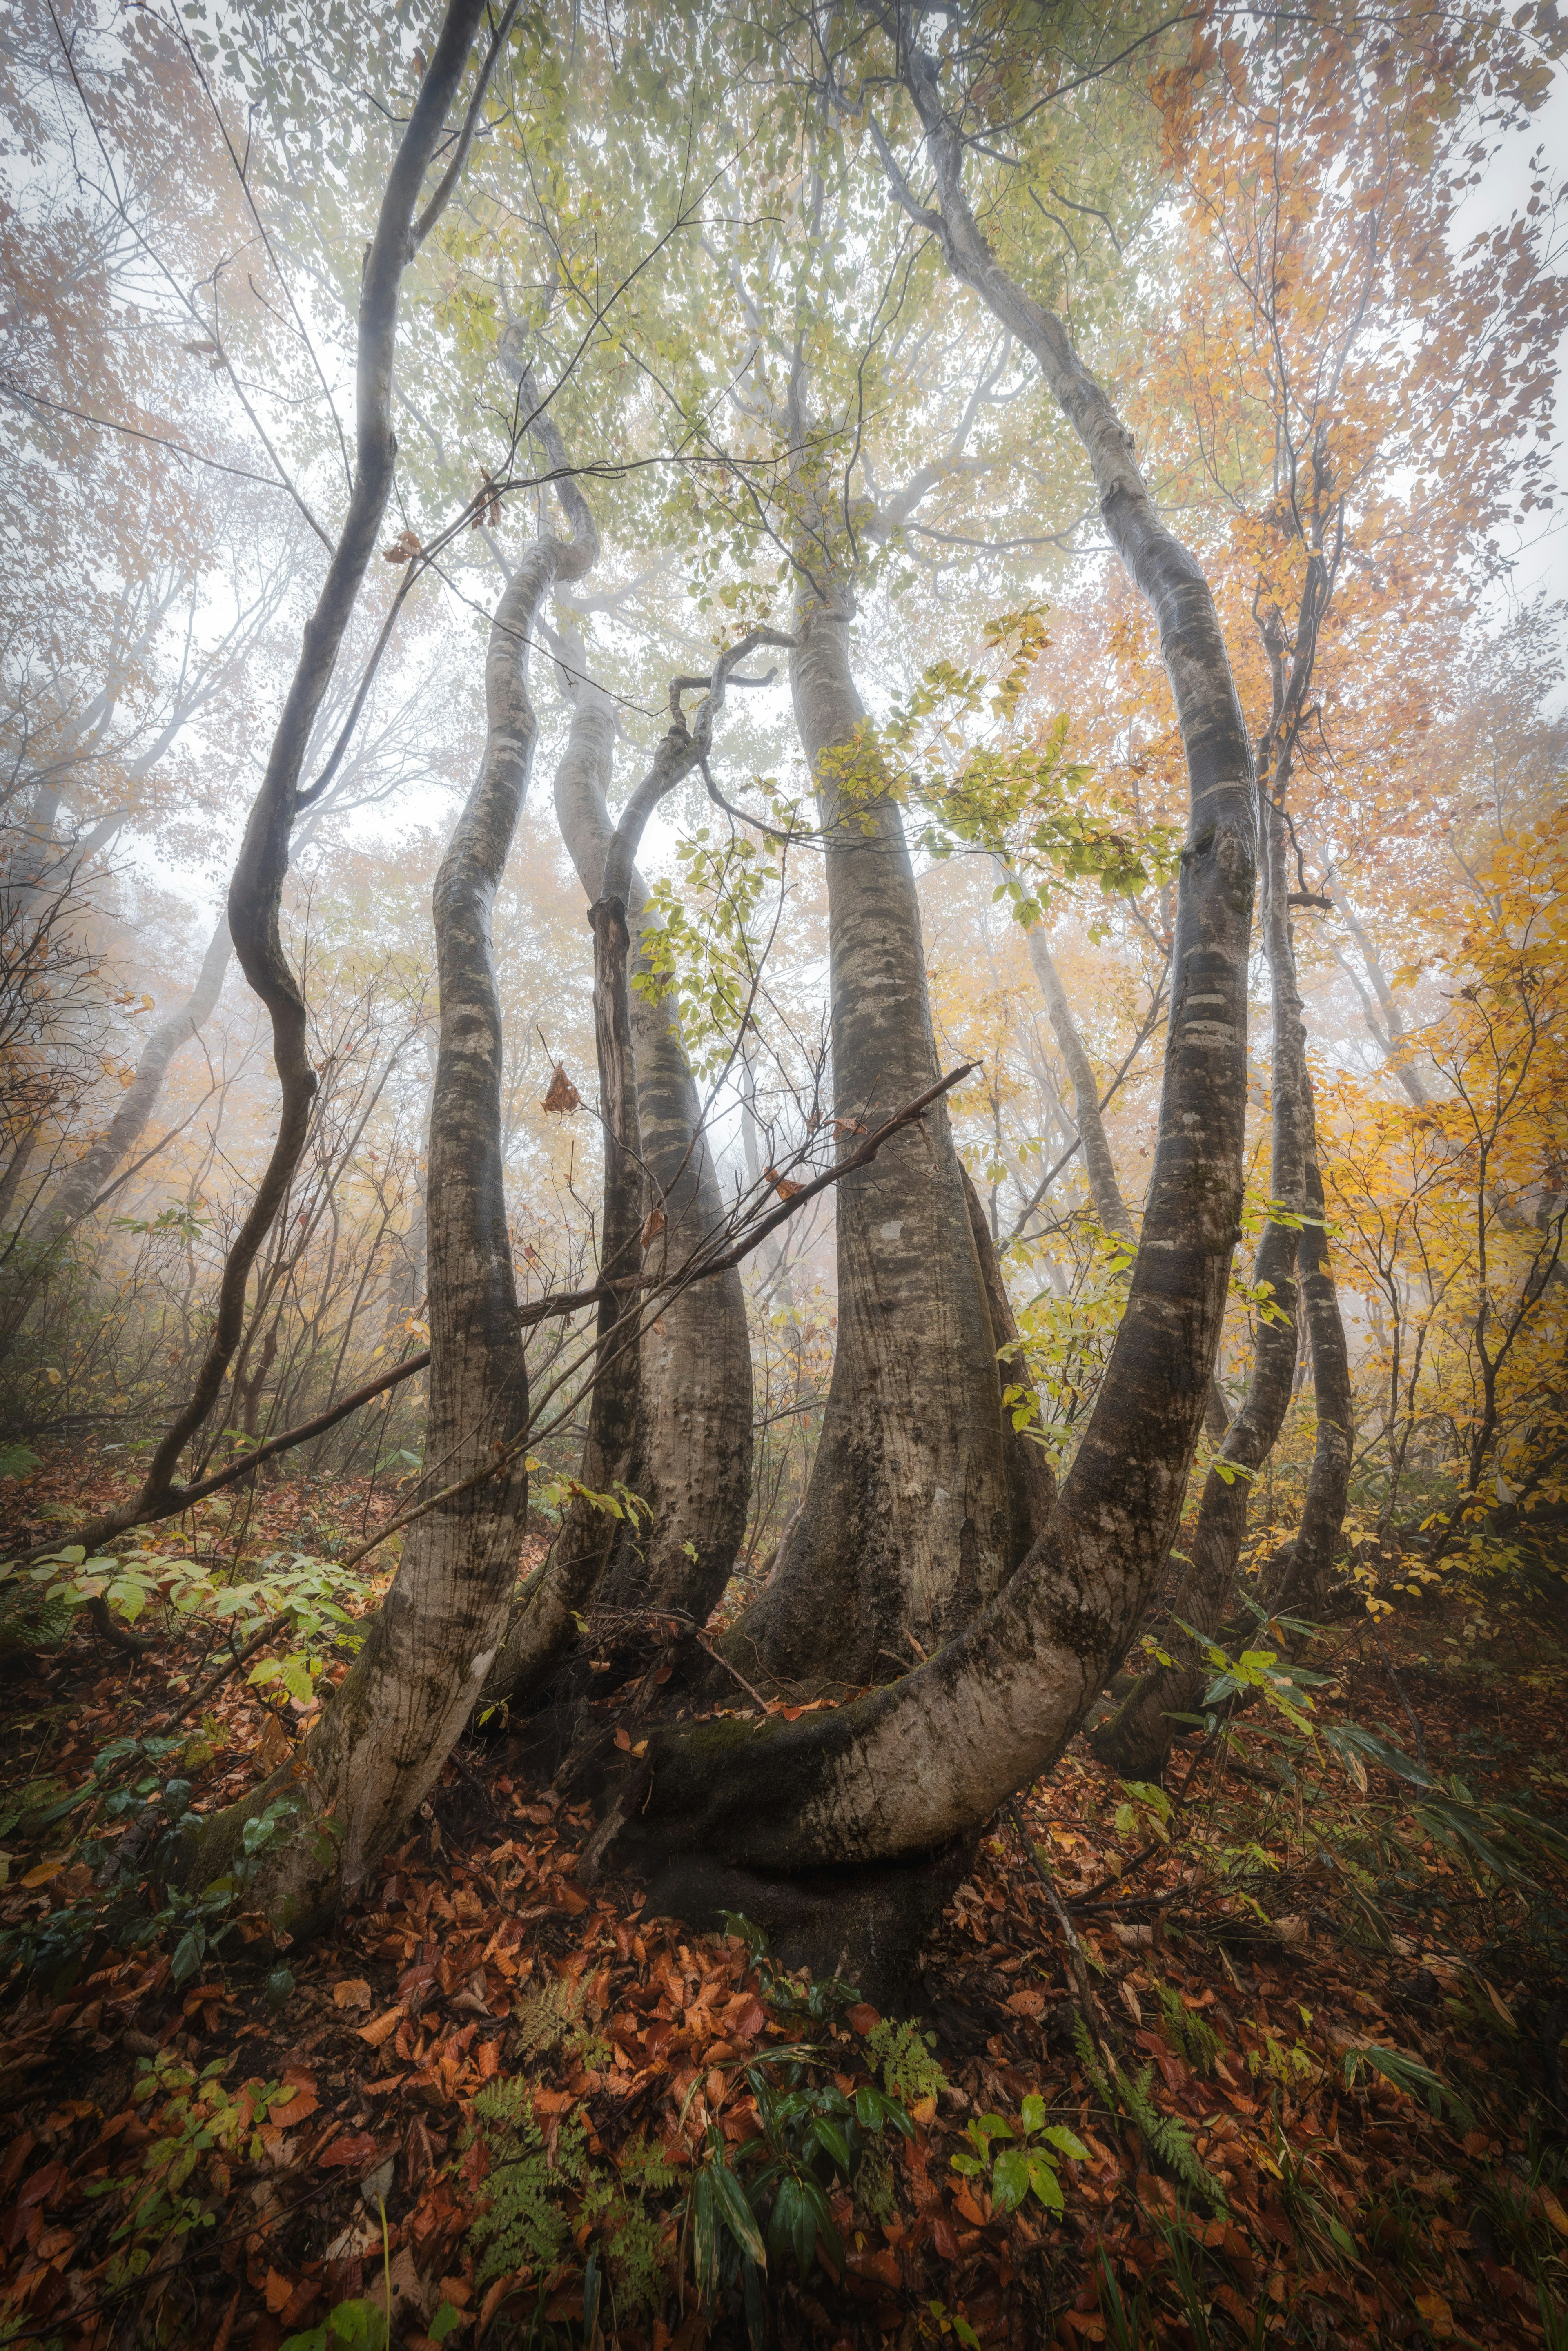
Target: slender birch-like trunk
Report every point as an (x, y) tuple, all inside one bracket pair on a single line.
[(691, 1458), (1137, 1740), (385, 1737), (255, 889), (1103, 1189), (80, 1185)]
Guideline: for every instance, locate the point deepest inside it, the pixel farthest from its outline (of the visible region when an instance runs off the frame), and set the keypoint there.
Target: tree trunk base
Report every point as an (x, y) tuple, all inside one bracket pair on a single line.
[(865, 1925)]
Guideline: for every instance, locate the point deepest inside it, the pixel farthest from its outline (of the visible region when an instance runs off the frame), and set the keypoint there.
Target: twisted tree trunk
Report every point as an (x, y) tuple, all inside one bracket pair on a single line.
[(690, 1456), (1137, 1739), (385, 1737), (911, 1511), (835, 1825), (1304, 1582), (256, 890)]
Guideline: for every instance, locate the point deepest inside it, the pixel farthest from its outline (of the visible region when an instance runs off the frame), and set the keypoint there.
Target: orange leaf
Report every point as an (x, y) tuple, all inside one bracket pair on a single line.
[(279, 2290), (382, 2029), (1554, 2211)]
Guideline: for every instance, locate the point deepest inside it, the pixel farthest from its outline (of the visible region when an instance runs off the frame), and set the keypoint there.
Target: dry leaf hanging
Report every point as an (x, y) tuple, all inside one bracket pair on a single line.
[(782, 1184), (652, 1225), (403, 548), (563, 1094)]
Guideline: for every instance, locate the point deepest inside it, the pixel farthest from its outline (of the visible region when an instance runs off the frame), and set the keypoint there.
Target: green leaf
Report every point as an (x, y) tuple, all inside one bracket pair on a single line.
[(1032, 2114), (1010, 2180), (1042, 2179), (705, 2234), (189, 1953), (732, 2207)]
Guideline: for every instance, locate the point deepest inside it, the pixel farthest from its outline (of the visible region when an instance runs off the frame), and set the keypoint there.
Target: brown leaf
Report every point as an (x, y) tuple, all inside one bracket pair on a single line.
[(353, 2150), (563, 1094), (863, 2017), (1028, 2002), (403, 548), (279, 2290), (382, 2029), (274, 1746), (353, 1993), (652, 1225), (782, 1184), (493, 2298)]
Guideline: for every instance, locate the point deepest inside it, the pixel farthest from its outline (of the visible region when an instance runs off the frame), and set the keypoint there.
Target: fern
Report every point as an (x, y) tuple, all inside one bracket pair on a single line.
[(1092, 2072), (522, 2224), (1166, 2138), (30, 1619), (539, 2201), (909, 2071), (875, 2195), (634, 2242), (646, 2168), (1193, 2035), (550, 2018)]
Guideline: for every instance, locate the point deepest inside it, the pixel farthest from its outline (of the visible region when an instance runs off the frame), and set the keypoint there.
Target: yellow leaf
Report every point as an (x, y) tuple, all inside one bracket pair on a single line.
[(1548, 2205), (43, 1872), (1435, 2310)]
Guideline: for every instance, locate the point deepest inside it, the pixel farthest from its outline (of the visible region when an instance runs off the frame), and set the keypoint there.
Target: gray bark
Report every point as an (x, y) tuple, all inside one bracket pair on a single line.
[(902, 1772), (1103, 1189), (691, 1459), (255, 889), (80, 1187), (1136, 1740), (387, 1734), (909, 1514)]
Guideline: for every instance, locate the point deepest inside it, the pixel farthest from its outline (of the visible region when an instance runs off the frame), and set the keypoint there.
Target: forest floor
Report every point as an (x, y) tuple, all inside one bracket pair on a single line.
[(1295, 2021)]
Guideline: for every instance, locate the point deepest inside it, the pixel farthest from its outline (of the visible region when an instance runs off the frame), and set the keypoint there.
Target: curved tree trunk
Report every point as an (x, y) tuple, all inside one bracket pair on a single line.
[(386, 1735), (1101, 1168), (910, 1512), (1137, 1740), (80, 1185), (1304, 1584), (691, 1460), (1104, 1190), (542, 1629), (255, 889), (901, 1774)]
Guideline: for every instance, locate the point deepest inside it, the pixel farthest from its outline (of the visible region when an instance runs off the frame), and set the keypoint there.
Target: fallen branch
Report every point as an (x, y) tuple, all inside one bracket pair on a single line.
[(180, 1498), (565, 1303), (697, 1269)]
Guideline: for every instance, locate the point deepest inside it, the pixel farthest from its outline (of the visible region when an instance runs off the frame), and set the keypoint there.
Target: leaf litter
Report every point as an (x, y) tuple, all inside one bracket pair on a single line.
[(1184, 2070)]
